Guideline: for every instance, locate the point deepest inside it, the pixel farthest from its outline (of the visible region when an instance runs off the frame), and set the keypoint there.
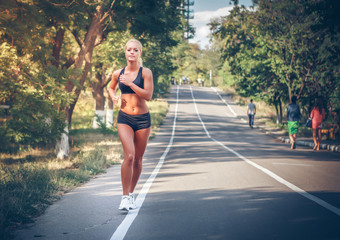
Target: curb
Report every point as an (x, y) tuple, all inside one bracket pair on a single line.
[(333, 148), (325, 146)]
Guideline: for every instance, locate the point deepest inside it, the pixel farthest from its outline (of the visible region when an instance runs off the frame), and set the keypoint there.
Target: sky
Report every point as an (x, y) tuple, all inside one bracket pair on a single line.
[(204, 10)]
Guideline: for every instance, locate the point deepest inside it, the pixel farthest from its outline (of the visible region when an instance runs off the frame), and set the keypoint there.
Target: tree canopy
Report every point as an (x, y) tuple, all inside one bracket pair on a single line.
[(49, 47), (51, 50), (281, 48)]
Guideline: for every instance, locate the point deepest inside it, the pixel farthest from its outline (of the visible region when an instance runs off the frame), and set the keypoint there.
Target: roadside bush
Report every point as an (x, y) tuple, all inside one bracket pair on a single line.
[(35, 99), (25, 192)]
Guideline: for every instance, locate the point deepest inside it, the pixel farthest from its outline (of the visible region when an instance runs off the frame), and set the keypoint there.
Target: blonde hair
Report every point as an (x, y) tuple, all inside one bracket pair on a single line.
[(140, 46)]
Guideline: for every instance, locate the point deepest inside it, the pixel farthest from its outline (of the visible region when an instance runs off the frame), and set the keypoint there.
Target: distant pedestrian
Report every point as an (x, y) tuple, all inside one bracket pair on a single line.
[(251, 111), (199, 80), (133, 122), (182, 80), (172, 80), (317, 115), (293, 118)]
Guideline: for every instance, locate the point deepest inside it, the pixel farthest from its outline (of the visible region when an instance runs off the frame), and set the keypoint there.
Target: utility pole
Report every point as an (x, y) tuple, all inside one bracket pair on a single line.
[(189, 14)]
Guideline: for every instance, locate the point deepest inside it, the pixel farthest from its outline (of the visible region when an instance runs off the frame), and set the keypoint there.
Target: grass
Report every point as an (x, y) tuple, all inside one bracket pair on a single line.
[(32, 180)]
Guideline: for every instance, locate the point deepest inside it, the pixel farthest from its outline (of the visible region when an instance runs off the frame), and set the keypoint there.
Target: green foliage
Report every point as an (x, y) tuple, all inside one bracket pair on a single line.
[(34, 97), (152, 19), (35, 73), (192, 62), (110, 54), (25, 191), (94, 163), (28, 188), (281, 49)]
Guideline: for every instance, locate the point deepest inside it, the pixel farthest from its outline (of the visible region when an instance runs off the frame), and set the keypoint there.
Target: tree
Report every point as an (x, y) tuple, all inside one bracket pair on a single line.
[(155, 24), (280, 50), (52, 51), (29, 85), (104, 65)]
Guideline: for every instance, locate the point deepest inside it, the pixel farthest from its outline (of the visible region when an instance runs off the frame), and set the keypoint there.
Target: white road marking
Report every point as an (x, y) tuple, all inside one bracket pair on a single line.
[(225, 102), (271, 174), (293, 164), (122, 229)]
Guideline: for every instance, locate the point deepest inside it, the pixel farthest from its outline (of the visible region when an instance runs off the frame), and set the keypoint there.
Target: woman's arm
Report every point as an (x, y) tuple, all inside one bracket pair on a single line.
[(113, 87)]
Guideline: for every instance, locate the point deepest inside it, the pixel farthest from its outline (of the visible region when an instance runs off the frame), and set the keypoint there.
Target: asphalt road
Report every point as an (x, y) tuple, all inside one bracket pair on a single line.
[(207, 175)]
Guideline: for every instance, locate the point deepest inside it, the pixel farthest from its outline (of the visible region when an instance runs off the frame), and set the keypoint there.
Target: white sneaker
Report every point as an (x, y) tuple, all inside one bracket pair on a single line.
[(132, 201), (125, 203)]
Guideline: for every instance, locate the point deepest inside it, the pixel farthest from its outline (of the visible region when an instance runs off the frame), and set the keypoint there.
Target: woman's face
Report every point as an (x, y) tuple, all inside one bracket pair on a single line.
[(132, 52)]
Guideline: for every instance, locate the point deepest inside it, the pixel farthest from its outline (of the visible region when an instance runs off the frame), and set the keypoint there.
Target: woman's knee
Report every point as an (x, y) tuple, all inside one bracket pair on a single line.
[(129, 158), (137, 164)]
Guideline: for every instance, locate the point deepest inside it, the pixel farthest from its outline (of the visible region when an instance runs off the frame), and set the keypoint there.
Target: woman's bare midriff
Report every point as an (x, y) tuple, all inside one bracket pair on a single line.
[(132, 104)]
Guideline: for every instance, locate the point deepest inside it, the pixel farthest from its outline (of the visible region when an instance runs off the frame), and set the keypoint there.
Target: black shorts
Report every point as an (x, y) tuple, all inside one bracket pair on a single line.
[(136, 122)]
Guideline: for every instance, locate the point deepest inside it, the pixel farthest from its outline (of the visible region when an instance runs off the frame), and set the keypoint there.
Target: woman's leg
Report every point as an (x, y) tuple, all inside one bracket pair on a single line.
[(291, 140), (126, 135), (294, 140), (315, 138), (140, 142), (319, 138)]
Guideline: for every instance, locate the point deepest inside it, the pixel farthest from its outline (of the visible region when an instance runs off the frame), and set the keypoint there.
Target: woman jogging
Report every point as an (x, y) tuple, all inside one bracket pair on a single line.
[(133, 122)]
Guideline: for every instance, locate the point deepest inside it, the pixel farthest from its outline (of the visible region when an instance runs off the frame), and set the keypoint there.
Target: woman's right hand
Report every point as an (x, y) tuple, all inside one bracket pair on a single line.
[(115, 99)]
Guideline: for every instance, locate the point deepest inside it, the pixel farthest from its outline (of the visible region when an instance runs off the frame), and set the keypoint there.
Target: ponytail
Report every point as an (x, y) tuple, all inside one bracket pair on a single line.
[(140, 61)]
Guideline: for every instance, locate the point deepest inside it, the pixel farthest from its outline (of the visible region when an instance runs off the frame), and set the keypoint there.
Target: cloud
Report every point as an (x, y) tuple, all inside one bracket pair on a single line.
[(203, 31), (204, 17), (200, 21)]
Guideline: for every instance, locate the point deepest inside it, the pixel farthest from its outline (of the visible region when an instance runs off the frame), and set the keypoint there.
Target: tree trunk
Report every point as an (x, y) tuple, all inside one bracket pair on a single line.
[(98, 95), (84, 55), (100, 82), (109, 111), (277, 112), (62, 146), (57, 46), (280, 110), (77, 91)]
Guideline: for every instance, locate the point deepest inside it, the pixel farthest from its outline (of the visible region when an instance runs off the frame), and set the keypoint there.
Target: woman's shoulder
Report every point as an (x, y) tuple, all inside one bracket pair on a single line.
[(146, 72), (117, 72)]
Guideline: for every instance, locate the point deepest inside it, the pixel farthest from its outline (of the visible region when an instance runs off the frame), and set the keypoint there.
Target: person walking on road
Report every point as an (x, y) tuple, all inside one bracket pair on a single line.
[(251, 111), (199, 80), (317, 115), (182, 81), (133, 122), (293, 118)]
